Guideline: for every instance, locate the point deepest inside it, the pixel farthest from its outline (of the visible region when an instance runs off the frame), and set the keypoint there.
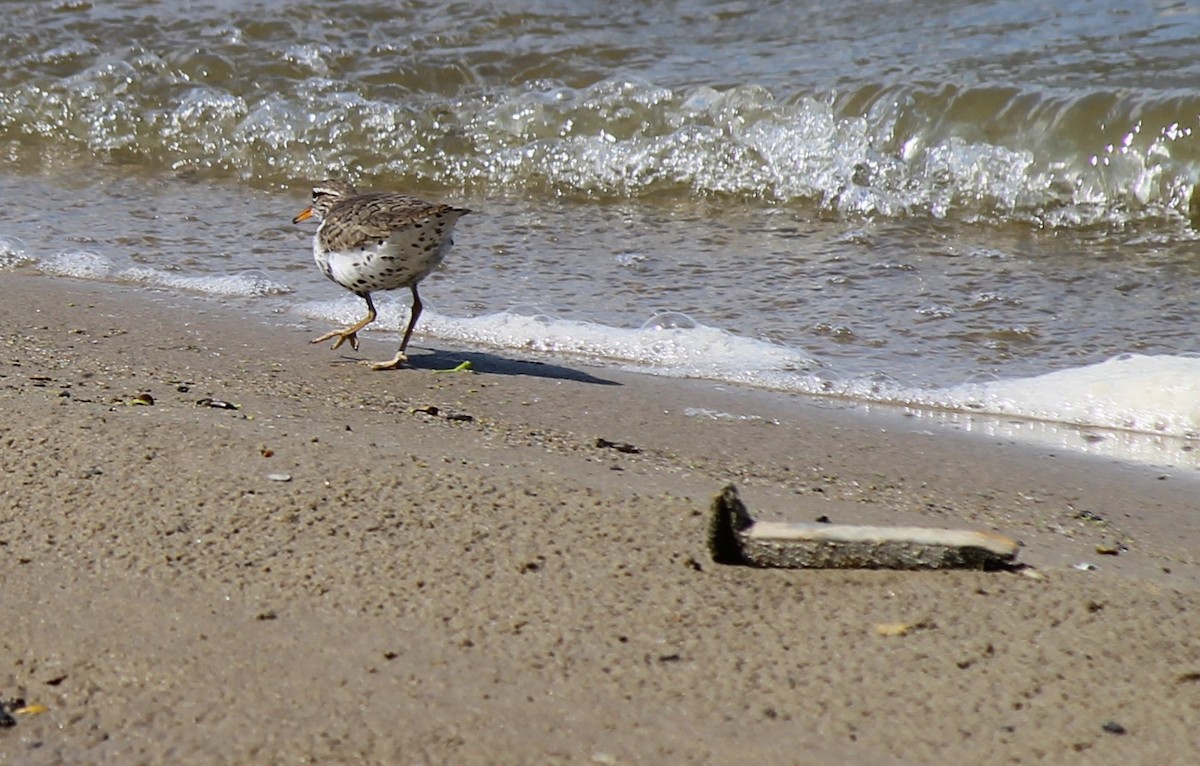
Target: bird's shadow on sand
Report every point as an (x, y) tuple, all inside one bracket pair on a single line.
[(490, 364)]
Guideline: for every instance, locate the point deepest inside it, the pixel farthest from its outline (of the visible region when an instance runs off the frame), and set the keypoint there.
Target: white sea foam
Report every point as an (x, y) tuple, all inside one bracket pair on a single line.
[(1130, 392), (12, 252), (1134, 395), (246, 284), (711, 414), (80, 264), (85, 264), (1132, 407), (667, 343), (1147, 394), (1127, 446)]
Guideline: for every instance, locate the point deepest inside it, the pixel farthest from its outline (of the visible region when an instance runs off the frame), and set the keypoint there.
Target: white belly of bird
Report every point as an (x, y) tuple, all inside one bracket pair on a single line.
[(394, 264)]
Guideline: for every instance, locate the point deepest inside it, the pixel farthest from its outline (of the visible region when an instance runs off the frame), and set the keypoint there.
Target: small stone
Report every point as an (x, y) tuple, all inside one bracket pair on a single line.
[(1112, 727), (217, 404), (279, 476)]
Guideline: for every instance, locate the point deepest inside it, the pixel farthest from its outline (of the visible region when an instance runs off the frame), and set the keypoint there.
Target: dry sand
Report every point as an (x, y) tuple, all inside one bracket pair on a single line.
[(436, 589)]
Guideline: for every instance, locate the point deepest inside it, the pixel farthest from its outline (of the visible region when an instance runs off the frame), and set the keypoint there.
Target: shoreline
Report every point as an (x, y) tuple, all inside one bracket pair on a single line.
[(489, 583)]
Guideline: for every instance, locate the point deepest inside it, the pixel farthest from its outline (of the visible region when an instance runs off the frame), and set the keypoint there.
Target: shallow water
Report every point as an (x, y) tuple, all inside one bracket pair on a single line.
[(885, 201)]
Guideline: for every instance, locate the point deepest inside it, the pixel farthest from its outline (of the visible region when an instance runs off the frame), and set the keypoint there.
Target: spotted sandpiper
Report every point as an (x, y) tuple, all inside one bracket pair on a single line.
[(378, 241)]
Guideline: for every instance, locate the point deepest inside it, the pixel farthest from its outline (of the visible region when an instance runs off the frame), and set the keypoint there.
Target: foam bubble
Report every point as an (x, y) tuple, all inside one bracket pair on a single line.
[(12, 252)]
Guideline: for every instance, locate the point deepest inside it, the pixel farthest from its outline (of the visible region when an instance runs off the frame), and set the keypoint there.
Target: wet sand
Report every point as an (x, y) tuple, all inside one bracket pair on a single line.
[(454, 571)]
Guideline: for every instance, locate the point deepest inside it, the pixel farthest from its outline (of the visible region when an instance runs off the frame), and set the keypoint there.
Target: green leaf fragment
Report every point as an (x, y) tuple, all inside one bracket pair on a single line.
[(464, 367)]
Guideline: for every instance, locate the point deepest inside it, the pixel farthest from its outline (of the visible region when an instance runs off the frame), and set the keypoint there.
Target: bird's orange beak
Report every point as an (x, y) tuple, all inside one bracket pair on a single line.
[(303, 216)]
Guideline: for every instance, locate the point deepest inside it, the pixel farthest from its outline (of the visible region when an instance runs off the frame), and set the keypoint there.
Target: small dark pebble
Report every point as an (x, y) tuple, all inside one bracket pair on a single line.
[(669, 658), (6, 719), (823, 520), (430, 410), (1112, 727), (625, 447), (55, 681), (461, 418), (268, 615), (391, 655), (1089, 516)]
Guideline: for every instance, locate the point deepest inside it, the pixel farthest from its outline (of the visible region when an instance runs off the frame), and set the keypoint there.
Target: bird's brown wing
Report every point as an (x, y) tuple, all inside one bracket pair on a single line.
[(369, 219)]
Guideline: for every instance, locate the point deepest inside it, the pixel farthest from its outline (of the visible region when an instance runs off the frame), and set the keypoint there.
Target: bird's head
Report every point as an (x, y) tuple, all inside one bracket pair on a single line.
[(324, 196)]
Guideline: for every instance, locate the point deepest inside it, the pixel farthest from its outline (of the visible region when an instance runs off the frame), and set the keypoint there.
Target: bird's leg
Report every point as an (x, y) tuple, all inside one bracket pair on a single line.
[(400, 357), (351, 332)]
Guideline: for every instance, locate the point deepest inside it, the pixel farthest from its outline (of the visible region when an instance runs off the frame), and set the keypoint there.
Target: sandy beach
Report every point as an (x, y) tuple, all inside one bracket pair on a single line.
[(417, 567)]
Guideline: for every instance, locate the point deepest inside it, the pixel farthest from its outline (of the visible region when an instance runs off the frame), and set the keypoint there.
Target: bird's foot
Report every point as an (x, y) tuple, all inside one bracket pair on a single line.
[(391, 364), (342, 336)]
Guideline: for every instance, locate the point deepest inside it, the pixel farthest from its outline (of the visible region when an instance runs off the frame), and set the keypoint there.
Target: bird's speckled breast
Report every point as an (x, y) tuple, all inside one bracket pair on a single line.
[(407, 256)]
